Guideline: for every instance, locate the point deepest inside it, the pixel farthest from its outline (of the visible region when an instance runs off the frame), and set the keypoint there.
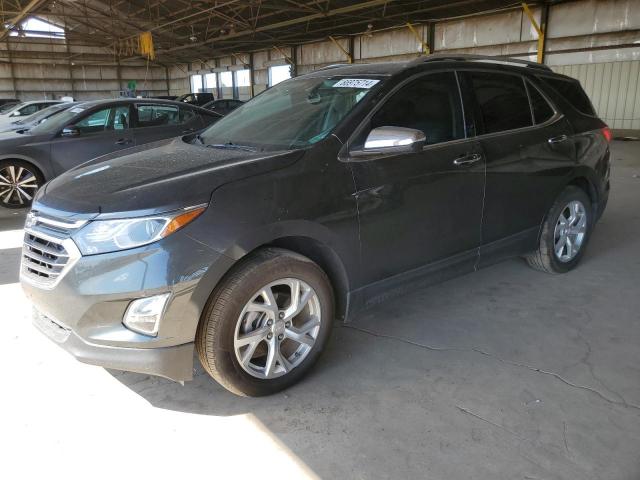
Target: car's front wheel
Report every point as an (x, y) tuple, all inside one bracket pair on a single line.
[(565, 232), (266, 323), (19, 181)]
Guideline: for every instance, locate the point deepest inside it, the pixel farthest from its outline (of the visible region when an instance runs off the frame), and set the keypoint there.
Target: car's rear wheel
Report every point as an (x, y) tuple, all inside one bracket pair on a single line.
[(565, 233), (266, 323), (19, 181)]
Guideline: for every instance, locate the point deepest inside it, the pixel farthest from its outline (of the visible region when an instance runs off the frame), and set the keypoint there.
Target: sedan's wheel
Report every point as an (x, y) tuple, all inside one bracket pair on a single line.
[(565, 233), (19, 182), (266, 323)]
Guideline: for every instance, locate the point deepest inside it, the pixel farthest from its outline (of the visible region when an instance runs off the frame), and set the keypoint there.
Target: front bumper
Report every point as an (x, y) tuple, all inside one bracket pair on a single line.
[(83, 311), (174, 363)]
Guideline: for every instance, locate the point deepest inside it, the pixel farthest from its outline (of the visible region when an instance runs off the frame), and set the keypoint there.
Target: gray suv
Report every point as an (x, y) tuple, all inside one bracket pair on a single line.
[(322, 195)]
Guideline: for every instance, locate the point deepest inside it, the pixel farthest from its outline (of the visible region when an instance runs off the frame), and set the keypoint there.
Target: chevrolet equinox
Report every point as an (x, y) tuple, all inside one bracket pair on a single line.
[(322, 195)]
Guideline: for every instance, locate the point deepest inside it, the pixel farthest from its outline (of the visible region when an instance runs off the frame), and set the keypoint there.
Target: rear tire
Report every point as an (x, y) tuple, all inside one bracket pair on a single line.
[(19, 182), (565, 233), (266, 323)]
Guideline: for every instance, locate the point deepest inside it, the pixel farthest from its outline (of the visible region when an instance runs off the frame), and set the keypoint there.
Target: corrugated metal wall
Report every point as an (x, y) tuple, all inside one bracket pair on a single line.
[(613, 88)]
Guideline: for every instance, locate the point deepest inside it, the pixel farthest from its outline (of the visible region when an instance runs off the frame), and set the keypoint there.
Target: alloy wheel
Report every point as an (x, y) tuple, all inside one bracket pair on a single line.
[(17, 186), (570, 231), (277, 328)]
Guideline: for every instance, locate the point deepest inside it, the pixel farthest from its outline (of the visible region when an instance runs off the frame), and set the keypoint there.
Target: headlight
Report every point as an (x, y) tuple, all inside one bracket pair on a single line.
[(103, 236)]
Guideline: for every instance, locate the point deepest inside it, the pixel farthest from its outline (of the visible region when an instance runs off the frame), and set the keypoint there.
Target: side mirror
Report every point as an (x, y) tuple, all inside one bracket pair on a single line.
[(391, 140), (70, 131)]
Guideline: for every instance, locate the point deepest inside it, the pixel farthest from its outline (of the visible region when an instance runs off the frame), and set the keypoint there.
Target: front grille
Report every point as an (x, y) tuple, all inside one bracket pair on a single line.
[(48, 251), (43, 259)]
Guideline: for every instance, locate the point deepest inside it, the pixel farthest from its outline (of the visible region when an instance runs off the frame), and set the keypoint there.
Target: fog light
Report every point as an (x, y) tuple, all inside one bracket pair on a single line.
[(143, 315)]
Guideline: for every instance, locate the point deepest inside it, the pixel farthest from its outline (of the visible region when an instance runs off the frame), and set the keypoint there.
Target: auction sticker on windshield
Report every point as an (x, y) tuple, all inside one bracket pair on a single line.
[(355, 83)]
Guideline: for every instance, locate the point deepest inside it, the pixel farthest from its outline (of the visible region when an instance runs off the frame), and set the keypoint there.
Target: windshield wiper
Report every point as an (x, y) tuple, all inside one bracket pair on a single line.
[(233, 146)]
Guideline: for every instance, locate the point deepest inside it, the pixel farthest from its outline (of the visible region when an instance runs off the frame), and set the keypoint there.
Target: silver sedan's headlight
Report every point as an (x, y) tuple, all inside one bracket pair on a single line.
[(103, 236)]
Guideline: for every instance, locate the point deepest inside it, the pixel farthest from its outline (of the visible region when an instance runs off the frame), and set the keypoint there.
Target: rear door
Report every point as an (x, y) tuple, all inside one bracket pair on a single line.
[(527, 156), (156, 122), (101, 131)]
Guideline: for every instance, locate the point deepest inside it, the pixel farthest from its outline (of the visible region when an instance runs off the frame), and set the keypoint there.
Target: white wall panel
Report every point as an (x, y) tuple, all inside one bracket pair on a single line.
[(614, 90)]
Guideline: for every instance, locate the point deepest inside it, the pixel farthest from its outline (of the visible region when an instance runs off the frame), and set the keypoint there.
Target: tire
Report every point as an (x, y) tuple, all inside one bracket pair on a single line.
[(238, 310), (19, 181), (546, 258)]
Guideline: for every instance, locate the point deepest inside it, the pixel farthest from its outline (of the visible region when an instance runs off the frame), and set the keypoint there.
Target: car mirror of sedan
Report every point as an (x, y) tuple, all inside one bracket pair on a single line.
[(70, 131), (391, 140)]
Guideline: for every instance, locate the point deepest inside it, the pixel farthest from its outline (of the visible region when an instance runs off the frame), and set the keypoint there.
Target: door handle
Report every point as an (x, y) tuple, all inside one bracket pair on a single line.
[(468, 159), (123, 141), (558, 139), (189, 130)]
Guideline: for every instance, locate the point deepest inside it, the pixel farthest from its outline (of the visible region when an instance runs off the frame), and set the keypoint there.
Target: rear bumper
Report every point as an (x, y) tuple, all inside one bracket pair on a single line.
[(174, 363)]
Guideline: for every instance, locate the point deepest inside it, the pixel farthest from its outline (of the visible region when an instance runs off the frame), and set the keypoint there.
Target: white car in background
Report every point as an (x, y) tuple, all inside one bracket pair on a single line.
[(23, 110)]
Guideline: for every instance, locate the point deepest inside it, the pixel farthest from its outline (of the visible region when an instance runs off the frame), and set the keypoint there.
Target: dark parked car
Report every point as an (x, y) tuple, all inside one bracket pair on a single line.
[(223, 106), (8, 101), (196, 98), (324, 194), (85, 131)]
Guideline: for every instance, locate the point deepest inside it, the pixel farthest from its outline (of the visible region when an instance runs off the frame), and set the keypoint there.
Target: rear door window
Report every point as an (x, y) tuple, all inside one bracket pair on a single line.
[(157, 115), (430, 104), (502, 101), (542, 111)]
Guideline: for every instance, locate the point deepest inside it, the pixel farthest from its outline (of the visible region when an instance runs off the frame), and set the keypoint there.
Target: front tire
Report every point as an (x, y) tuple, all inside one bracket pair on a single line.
[(266, 323), (565, 233), (19, 182)]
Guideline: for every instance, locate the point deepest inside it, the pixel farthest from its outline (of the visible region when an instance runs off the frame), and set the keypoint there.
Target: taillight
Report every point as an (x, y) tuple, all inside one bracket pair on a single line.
[(608, 136)]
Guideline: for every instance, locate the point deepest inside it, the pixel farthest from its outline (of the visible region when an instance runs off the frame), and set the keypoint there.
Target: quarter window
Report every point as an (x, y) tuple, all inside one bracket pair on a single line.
[(542, 111), (157, 115), (430, 104), (502, 101), (573, 93)]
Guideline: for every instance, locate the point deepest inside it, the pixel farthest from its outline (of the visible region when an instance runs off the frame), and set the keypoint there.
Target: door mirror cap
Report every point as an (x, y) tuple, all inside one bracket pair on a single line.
[(391, 140), (70, 131)]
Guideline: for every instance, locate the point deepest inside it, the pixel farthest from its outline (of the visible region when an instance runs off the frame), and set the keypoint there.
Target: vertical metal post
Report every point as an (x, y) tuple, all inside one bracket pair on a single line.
[(11, 71), (539, 30), (252, 76)]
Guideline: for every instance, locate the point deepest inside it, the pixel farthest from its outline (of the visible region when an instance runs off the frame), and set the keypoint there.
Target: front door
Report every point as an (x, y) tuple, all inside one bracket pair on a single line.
[(423, 210), (100, 132)]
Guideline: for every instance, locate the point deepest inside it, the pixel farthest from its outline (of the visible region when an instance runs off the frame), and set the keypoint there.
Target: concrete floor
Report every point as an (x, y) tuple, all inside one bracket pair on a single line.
[(507, 373)]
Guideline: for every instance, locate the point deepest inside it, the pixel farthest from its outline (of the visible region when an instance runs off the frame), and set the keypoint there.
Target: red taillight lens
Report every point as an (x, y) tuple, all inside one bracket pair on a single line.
[(608, 136)]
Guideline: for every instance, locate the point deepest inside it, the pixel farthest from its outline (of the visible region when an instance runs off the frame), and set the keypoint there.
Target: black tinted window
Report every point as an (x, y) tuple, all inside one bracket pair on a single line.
[(430, 104), (572, 93), (542, 111), (502, 100)]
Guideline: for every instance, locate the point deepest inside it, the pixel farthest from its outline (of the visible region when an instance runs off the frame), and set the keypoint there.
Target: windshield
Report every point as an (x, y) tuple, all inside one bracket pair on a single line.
[(45, 113), (9, 106), (58, 121), (293, 114)]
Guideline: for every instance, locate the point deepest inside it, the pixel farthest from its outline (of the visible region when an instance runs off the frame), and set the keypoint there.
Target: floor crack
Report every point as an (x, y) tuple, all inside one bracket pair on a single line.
[(501, 360)]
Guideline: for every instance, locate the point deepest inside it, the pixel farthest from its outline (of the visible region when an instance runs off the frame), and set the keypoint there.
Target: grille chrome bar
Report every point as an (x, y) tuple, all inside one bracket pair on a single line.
[(47, 256)]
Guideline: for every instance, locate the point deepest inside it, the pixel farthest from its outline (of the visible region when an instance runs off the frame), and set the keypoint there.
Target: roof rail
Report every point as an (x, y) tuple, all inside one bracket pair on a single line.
[(333, 65), (479, 58)]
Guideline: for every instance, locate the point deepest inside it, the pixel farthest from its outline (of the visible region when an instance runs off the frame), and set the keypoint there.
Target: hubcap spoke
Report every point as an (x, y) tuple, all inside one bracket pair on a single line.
[(254, 336)]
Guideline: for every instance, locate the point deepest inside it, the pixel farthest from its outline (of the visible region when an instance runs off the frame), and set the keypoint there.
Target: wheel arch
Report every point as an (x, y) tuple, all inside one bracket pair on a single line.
[(327, 259), (20, 158), (583, 182)]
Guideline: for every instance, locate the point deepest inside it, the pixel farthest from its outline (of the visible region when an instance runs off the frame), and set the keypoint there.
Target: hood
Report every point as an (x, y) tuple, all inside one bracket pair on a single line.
[(153, 178), (9, 140)]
